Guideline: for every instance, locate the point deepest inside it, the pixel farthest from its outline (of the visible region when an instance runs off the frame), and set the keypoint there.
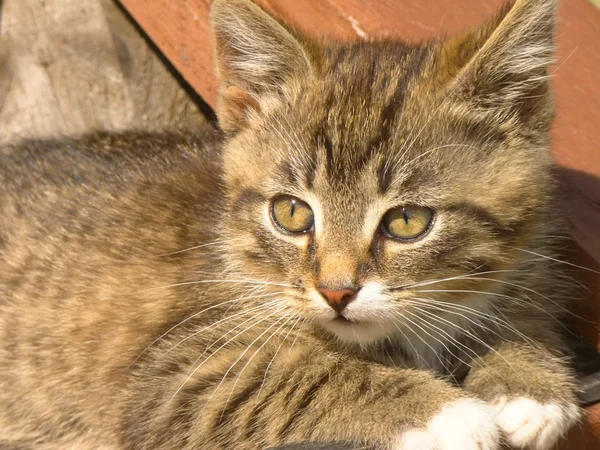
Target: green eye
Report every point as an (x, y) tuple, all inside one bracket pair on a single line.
[(292, 214), (406, 222)]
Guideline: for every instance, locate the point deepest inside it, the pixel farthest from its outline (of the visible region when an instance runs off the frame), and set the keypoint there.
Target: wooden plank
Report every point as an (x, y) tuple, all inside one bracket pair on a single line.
[(180, 29), (68, 67), (586, 435)]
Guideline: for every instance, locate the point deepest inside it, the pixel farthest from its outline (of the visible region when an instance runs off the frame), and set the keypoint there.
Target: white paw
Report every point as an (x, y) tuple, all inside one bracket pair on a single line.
[(463, 425), (532, 425)]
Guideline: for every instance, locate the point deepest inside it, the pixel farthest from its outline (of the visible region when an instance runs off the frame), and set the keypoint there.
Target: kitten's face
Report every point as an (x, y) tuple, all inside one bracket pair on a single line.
[(365, 178)]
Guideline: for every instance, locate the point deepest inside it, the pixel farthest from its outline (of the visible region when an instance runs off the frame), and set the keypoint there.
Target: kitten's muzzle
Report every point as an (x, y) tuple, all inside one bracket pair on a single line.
[(338, 299)]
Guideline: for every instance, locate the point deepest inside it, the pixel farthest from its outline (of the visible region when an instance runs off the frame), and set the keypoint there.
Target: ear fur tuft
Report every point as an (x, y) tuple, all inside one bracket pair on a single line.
[(510, 68), (255, 54)]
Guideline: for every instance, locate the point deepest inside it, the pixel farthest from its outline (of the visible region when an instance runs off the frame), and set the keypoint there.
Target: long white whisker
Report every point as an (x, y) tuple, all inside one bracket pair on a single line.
[(557, 260), (435, 353), (425, 322), (440, 280), (475, 357), (274, 356), (269, 306), (239, 314), (482, 342), (289, 352), (241, 355), (416, 353), (525, 288), (207, 244), (416, 158), (496, 294), (407, 146), (221, 347), (447, 307), (448, 336), (252, 356), (187, 283), (191, 317), (237, 279)]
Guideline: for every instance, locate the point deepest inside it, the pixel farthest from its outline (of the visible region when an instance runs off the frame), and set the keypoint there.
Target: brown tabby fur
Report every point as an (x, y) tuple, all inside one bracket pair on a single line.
[(148, 302)]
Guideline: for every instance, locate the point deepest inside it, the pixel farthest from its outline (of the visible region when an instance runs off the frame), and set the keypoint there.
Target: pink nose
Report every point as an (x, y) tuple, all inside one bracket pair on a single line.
[(338, 299)]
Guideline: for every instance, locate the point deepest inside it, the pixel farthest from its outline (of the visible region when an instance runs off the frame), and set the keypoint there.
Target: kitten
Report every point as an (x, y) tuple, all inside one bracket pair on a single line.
[(358, 256)]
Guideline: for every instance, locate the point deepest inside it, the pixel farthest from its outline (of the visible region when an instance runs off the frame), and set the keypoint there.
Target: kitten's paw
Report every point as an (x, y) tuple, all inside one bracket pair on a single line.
[(532, 425), (465, 424)]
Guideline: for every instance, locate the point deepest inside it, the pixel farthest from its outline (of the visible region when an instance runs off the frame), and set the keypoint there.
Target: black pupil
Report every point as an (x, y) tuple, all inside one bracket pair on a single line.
[(405, 216), (293, 208)]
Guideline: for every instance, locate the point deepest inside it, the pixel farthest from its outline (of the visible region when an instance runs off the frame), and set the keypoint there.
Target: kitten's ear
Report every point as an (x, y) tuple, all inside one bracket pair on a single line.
[(509, 70), (255, 57)]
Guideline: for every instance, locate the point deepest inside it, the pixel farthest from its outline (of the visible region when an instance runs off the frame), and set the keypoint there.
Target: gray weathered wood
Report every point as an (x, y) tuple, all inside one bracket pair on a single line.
[(71, 66)]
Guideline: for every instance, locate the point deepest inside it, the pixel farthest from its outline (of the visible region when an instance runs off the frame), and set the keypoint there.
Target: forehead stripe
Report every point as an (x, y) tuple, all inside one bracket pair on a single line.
[(247, 197)]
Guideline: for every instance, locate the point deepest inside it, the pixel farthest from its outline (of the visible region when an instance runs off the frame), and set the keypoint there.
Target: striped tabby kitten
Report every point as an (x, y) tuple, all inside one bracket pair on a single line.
[(358, 257)]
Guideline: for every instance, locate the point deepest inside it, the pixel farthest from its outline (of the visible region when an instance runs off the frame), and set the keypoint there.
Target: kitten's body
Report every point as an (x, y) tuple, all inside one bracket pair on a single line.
[(149, 301), (90, 312)]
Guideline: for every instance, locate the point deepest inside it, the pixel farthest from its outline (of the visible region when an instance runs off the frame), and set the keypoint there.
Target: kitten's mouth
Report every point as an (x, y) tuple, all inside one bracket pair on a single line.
[(355, 331), (343, 319)]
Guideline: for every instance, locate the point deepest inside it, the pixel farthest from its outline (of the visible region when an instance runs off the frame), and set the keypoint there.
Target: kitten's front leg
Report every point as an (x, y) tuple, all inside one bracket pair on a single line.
[(308, 396), (531, 391)]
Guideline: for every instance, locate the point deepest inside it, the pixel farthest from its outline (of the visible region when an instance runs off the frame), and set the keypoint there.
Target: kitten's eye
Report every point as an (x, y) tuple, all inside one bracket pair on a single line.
[(292, 214), (406, 222)]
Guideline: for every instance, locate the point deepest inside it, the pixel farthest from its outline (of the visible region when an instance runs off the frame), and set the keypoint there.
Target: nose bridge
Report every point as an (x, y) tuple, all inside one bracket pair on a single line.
[(339, 248), (338, 263)]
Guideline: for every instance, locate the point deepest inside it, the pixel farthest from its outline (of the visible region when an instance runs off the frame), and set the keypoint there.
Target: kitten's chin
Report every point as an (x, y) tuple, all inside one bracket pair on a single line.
[(352, 332)]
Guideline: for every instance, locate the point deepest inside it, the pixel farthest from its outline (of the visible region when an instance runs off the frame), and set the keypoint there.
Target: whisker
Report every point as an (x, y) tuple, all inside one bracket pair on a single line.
[(435, 353), (418, 354), (224, 335), (221, 347), (407, 146), (191, 317), (274, 356), (425, 153), (448, 336), (525, 288), (207, 244), (187, 283), (446, 307), (244, 279), (510, 297), (485, 344), (475, 357), (251, 357), (289, 352), (440, 280), (241, 355), (295, 142), (425, 322), (221, 321), (557, 260)]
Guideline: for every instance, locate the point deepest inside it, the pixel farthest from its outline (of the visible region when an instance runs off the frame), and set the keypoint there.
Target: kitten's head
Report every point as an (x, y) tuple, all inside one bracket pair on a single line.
[(357, 172)]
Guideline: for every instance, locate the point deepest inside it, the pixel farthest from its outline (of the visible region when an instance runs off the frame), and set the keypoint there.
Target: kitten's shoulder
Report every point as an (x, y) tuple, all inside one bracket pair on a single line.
[(106, 156), (105, 187)]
